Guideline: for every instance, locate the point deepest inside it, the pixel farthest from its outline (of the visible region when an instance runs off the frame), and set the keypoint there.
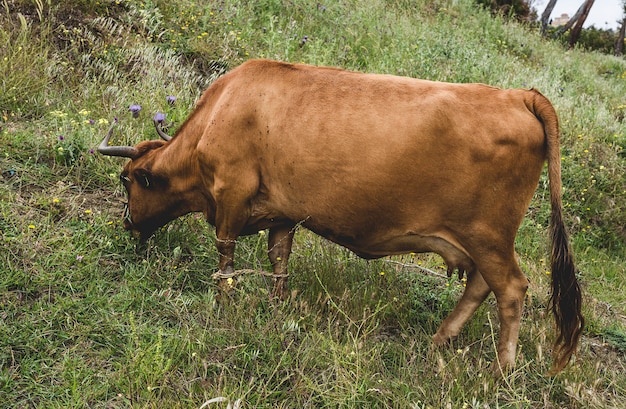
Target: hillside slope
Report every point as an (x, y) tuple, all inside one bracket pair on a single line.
[(89, 318)]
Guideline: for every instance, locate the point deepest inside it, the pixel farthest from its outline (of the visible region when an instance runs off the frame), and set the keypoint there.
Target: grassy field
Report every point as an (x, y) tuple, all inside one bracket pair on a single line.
[(91, 318)]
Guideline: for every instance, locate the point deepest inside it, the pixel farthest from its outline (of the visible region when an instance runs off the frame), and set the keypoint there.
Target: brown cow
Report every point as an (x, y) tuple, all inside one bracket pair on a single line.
[(379, 164)]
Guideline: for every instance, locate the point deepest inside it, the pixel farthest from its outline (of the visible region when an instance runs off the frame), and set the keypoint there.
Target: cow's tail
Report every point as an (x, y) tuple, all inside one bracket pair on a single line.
[(566, 298)]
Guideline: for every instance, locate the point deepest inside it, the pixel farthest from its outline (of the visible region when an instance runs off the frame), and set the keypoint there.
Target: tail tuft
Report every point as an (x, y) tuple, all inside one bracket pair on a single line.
[(566, 297)]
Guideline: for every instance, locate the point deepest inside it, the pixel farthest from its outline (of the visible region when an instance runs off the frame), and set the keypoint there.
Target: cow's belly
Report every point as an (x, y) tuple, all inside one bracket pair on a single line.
[(366, 232), (376, 246)]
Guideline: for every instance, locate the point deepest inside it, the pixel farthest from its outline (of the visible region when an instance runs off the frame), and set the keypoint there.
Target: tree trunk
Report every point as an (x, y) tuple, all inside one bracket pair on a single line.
[(571, 21), (575, 34), (619, 43), (545, 16)]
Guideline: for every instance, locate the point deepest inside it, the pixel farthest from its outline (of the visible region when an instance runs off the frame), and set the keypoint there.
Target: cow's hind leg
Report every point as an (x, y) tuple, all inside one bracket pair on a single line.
[(476, 290), (279, 248), (509, 285)]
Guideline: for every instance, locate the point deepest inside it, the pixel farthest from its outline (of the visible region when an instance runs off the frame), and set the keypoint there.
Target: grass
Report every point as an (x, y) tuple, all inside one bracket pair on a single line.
[(91, 318)]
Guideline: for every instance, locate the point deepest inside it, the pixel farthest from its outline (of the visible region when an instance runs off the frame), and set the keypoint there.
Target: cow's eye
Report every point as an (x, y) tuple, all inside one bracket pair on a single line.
[(145, 181), (143, 178)]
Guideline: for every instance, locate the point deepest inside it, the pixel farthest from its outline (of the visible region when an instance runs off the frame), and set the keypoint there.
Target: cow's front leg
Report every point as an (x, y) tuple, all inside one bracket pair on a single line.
[(279, 248), (226, 274), (229, 222)]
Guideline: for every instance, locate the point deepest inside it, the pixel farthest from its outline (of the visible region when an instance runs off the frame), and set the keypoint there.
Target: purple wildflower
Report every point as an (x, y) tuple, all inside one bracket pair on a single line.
[(170, 99), (134, 109), (61, 137), (159, 117)]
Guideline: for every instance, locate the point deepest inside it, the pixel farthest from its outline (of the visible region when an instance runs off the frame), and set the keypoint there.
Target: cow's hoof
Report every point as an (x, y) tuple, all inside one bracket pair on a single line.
[(441, 340), (280, 289), (499, 370), (226, 287)]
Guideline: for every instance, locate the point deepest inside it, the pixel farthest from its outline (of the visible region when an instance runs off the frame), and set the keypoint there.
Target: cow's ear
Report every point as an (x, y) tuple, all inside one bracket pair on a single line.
[(144, 178)]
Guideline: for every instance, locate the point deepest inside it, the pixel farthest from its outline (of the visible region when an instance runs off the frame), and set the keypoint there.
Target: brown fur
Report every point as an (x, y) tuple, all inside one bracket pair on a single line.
[(379, 164)]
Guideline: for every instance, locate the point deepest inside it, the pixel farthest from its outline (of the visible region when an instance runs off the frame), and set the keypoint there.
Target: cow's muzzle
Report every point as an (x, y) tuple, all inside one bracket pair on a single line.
[(141, 232)]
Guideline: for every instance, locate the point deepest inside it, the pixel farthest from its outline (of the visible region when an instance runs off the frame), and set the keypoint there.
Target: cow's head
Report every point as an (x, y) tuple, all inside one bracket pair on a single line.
[(151, 201)]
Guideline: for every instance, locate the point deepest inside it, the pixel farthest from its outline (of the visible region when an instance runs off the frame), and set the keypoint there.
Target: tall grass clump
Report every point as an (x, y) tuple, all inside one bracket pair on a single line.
[(91, 318), (25, 55)]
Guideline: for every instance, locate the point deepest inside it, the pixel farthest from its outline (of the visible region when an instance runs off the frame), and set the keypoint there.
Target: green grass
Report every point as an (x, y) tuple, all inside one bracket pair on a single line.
[(91, 318)]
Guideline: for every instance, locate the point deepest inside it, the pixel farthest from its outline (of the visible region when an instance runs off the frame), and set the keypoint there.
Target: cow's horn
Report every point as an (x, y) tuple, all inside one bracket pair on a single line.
[(123, 151), (157, 125)]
